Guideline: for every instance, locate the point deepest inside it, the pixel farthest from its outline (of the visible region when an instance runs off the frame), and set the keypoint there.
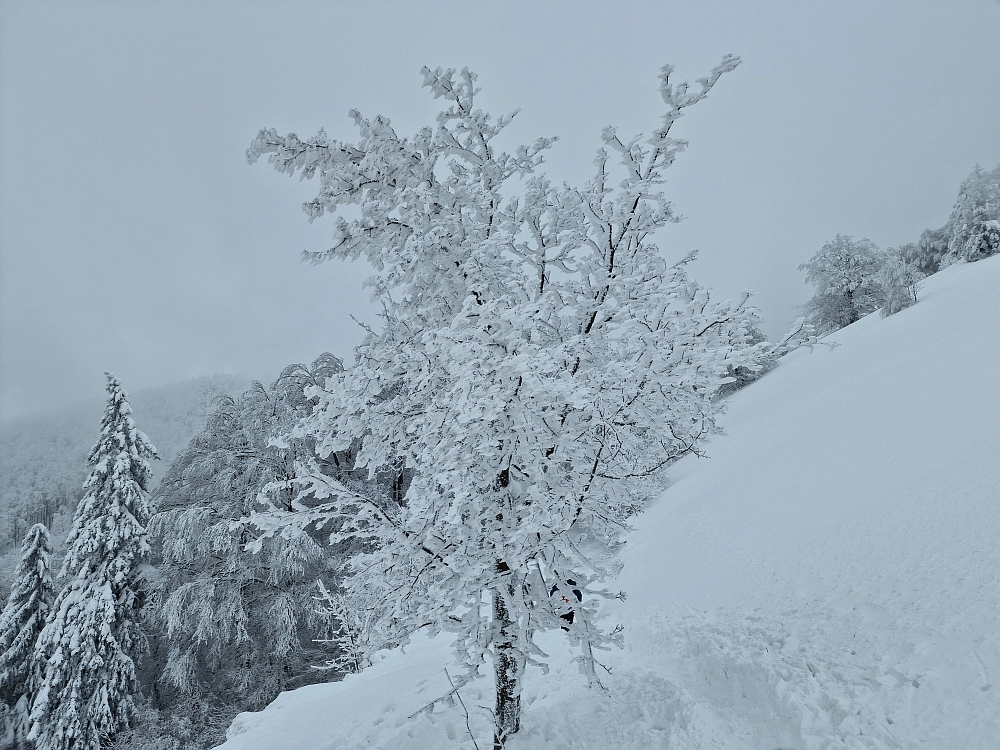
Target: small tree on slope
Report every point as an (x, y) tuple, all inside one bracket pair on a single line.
[(845, 273), (85, 650), (28, 605), (899, 280), (538, 367)]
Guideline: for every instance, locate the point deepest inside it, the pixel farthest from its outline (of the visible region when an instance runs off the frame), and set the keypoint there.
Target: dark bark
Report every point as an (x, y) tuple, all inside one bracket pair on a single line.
[(508, 668), (852, 313)]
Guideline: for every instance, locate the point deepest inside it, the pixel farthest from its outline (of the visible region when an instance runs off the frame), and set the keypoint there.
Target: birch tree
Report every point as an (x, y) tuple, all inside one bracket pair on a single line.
[(538, 367)]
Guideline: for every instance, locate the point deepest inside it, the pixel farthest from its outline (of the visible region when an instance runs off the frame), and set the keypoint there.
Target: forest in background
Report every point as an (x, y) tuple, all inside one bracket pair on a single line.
[(43, 457)]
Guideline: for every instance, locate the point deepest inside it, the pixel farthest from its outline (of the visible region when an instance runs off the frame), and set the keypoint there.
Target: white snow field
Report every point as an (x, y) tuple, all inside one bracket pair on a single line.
[(828, 578)]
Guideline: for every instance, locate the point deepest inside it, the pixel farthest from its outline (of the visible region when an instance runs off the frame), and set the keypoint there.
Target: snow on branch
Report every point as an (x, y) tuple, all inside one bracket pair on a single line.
[(538, 368)]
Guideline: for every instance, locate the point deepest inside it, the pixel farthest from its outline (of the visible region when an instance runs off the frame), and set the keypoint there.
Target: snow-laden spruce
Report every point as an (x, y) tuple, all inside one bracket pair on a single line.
[(85, 650), (972, 231), (538, 367), (21, 621)]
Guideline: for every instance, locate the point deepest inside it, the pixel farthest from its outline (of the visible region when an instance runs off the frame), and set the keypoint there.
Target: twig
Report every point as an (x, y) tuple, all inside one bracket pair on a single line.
[(431, 704), (466, 710)]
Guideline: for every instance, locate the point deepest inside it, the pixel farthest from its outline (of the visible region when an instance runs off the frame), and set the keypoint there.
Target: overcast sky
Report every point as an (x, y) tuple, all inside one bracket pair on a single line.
[(136, 238)]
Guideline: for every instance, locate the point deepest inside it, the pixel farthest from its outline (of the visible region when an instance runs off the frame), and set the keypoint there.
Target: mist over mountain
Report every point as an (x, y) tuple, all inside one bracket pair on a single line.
[(43, 457)]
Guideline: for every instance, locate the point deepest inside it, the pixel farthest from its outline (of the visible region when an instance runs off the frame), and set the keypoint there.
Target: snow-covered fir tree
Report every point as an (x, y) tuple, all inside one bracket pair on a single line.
[(21, 621), (538, 367), (86, 649), (23, 616), (236, 628), (971, 233), (845, 272)]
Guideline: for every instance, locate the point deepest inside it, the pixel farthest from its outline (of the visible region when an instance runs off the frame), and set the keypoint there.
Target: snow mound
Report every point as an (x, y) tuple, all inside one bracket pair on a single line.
[(829, 578)]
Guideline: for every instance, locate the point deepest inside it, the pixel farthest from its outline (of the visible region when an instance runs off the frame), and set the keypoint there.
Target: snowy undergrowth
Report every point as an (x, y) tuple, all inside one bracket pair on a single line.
[(697, 681), (829, 578), (683, 682)]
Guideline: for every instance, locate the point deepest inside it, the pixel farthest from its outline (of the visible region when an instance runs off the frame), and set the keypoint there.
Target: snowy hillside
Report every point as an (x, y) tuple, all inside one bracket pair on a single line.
[(828, 578)]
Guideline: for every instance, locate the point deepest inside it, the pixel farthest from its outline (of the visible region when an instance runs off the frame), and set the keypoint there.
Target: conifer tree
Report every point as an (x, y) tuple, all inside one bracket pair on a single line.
[(975, 220), (85, 651), (24, 615)]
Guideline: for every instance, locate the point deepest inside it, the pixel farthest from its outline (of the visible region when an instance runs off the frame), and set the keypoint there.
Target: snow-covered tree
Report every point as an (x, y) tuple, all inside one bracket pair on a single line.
[(236, 628), (975, 220), (24, 615), (21, 621), (741, 376), (899, 280), (353, 626), (538, 367), (845, 273), (86, 648), (926, 254)]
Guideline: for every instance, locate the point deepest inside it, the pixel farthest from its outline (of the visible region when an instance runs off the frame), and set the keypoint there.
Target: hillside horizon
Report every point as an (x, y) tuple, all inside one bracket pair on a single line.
[(826, 578)]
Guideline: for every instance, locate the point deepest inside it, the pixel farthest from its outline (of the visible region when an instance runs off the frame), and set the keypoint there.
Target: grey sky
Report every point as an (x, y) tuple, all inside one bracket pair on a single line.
[(135, 237)]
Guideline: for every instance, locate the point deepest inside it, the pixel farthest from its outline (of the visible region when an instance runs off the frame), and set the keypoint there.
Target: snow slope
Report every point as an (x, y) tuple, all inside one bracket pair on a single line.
[(828, 578)]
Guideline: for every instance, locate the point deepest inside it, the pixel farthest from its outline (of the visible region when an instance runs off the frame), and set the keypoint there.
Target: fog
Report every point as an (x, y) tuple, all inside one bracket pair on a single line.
[(136, 238)]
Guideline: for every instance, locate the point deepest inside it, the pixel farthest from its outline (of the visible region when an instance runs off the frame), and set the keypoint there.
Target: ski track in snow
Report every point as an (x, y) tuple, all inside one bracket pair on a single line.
[(827, 579)]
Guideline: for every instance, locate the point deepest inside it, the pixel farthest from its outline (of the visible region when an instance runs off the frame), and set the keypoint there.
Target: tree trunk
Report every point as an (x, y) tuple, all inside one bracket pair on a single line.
[(853, 314), (508, 667)]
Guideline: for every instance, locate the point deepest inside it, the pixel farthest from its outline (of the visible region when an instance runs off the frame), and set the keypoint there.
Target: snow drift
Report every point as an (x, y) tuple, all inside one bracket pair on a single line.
[(828, 578)]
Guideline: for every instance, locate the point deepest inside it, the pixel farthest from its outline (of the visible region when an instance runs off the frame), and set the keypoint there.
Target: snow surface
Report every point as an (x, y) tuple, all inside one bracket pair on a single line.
[(828, 578)]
